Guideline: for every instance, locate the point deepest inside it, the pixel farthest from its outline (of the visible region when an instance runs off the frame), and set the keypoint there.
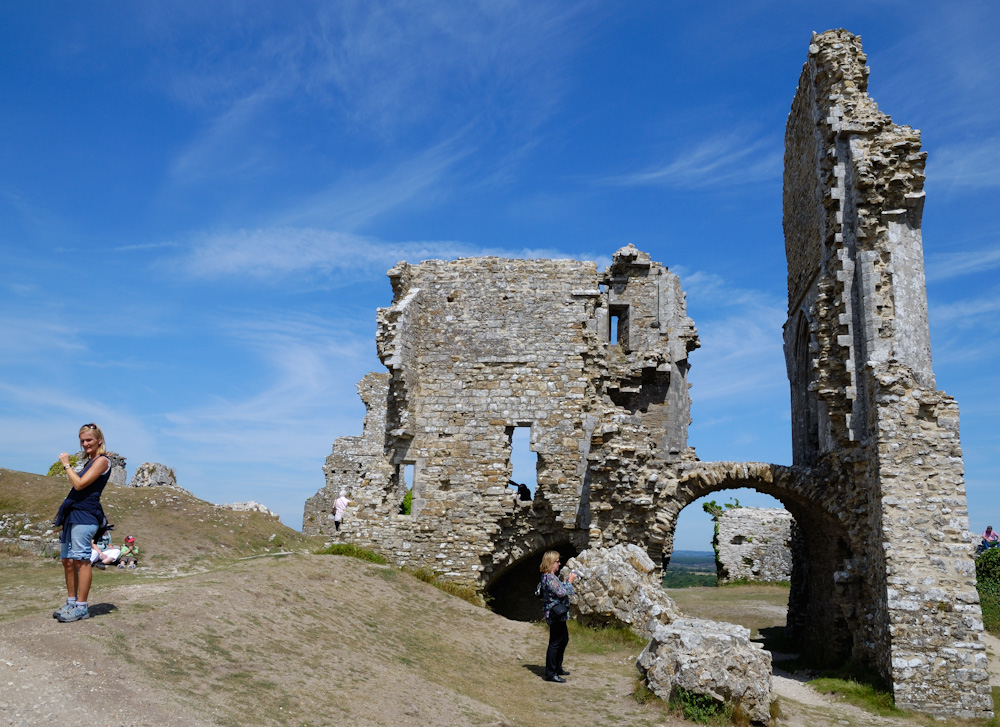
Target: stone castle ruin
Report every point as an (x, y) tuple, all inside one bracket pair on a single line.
[(594, 363)]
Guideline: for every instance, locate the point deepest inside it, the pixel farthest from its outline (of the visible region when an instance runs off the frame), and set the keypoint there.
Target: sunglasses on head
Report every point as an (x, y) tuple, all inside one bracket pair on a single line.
[(89, 426)]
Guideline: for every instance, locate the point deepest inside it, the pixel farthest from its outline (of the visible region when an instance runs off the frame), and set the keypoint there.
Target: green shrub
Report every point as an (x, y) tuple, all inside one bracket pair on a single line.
[(867, 693), (642, 693), (866, 696), (685, 579), (714, 509), (988, 585), (989, 601), (751, 582), (699, 708), (406, 508), (602, 639), (988, 566), (57, 469), (995, 722)]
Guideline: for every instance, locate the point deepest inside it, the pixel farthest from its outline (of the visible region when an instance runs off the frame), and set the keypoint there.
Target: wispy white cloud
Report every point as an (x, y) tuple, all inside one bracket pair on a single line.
[(275, 254), (377, 73), (302, 361), (950, 53), (40, 421), (145, 246), (974, 164), (360, 197), (37, 337), (719, 161), (944, 266), (228, 146), (740, 358), (982, 311)]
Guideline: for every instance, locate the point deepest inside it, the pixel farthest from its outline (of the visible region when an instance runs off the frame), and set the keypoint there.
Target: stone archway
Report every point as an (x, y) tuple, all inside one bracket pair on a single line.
[(829, 607), (821, 599)]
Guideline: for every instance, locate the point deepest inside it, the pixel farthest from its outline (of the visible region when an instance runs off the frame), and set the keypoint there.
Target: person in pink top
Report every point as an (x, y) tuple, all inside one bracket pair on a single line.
[(990, 537), (339, 506)]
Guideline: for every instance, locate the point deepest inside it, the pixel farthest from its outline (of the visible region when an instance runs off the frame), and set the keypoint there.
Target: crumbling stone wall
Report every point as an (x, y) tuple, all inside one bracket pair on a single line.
[(755, 544), (477, 347), (474, 348)]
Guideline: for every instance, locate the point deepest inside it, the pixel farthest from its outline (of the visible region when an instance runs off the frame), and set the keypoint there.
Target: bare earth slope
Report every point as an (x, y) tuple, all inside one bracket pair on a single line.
[(298, 640)]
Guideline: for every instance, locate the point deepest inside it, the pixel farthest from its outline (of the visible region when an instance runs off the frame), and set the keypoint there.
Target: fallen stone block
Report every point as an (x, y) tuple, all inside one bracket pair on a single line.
[(619, 586), (711, 658)]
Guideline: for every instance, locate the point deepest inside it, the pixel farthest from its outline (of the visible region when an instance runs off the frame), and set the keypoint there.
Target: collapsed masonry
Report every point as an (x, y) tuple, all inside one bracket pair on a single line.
[(478, 347), (755, 544)]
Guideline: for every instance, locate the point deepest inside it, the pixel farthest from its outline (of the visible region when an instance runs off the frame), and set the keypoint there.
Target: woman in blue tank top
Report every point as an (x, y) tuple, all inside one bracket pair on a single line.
[(81, 515)]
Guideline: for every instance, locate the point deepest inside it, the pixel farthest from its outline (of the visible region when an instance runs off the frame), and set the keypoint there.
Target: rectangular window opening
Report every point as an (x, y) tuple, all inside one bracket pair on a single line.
[(405, 472), (523, 462), (618, 325)]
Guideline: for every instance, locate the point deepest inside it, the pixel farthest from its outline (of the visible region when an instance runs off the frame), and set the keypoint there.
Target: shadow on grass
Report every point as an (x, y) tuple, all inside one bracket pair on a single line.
[(536, 669), (102, 609)]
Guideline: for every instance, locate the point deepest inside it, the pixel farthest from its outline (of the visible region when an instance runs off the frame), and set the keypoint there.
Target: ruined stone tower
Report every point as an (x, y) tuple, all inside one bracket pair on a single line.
[(476, 348), (866, 415)]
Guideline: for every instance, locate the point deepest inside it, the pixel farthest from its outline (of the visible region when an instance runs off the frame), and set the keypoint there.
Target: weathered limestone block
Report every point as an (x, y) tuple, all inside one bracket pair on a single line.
[(249, 506), (710, 658), (755, 544), (619, 585), (153, 474), (20, 531)]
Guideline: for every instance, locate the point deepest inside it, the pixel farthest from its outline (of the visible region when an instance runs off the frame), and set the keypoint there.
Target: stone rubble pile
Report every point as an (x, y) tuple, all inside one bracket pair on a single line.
[(618, 585), (19, 530), (710, 658)]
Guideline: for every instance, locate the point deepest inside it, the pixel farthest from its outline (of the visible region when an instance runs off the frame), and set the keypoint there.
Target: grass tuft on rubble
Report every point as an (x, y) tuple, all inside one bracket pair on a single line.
[(459, 590), (353, 551), (861, 692)]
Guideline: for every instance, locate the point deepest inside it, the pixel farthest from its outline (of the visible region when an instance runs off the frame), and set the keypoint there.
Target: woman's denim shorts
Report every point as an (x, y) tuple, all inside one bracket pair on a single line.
[(76, 546)]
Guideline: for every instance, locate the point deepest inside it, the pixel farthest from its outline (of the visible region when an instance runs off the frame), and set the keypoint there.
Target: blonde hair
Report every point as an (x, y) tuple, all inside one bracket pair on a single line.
[(101, 449), (550, 557)]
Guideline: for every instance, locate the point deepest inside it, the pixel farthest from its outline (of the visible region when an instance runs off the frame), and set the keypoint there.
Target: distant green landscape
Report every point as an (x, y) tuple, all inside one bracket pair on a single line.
[(690, 568)]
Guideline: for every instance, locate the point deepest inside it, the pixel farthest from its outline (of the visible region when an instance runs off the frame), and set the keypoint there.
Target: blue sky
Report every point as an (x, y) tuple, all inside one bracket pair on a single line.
[(198, 204)]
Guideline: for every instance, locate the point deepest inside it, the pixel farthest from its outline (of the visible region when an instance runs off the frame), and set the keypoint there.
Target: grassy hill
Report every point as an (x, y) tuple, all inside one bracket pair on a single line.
[(209, 634), (172, 528)]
